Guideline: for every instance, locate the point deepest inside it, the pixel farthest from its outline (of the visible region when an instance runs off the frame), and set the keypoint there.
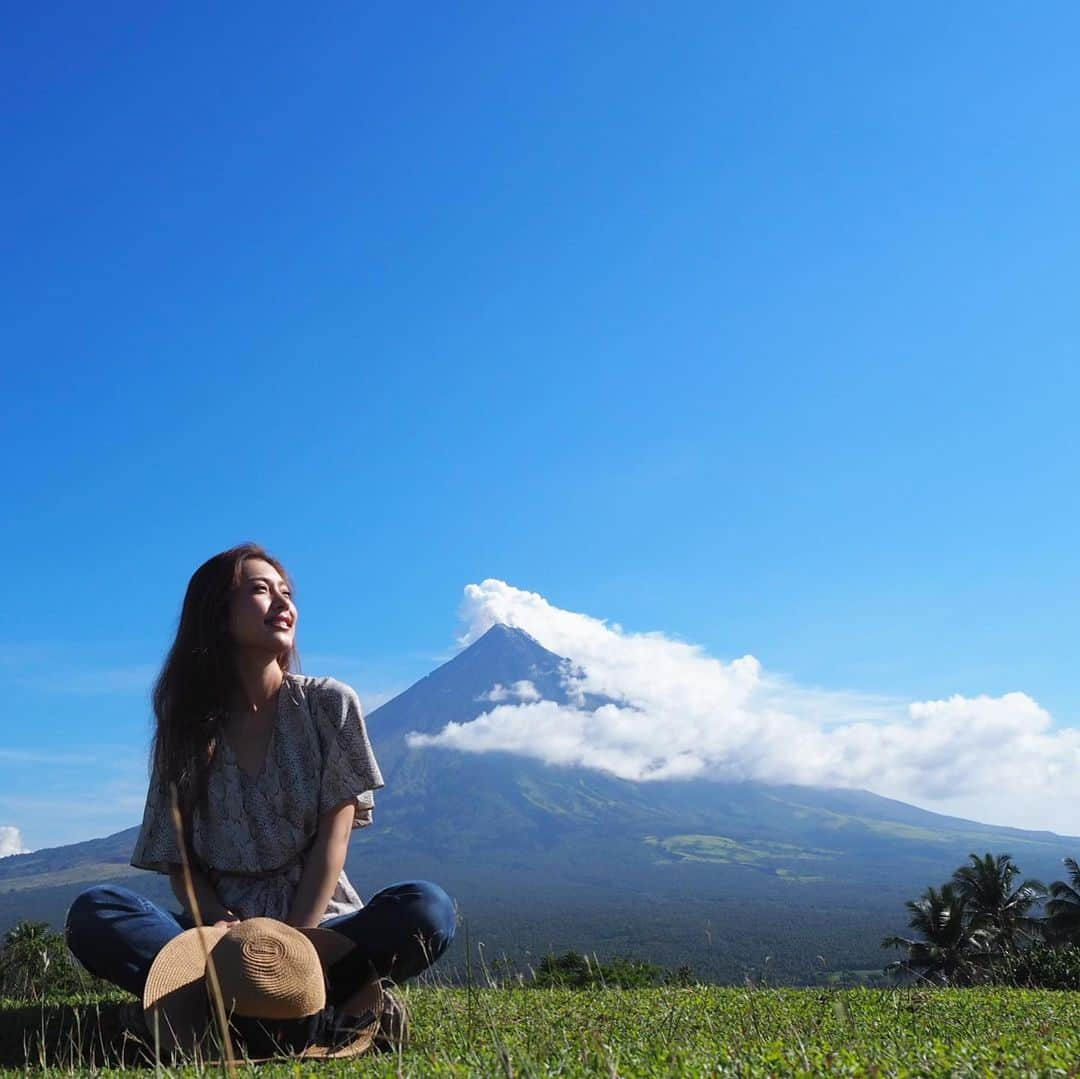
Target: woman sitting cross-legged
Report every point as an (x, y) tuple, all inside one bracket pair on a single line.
[(273, 771)]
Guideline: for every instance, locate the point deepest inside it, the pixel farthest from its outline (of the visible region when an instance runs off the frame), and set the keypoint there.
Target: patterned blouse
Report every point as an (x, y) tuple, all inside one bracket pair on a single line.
[(253, 837)]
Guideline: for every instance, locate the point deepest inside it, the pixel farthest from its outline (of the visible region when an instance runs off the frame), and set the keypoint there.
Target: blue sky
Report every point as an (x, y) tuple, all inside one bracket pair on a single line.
[(755, 326)]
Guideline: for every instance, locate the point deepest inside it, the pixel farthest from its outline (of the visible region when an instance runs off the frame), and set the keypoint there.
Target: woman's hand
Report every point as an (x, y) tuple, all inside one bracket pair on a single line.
[(211, 910)]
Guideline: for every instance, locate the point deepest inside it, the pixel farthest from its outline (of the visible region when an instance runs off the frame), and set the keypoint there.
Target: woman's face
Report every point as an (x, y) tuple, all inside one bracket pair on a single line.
[(262, 614)]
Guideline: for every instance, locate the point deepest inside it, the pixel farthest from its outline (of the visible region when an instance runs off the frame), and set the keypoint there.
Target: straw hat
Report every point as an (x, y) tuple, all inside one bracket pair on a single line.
[(273, 985)]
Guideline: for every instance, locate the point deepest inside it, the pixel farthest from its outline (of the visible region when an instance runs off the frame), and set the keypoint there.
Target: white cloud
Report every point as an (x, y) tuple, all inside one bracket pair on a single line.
[(10, 841), (519, 691), (679, 713)]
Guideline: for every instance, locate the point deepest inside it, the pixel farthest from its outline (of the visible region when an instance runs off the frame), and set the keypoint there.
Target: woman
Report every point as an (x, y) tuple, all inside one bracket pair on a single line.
[(272, 771)]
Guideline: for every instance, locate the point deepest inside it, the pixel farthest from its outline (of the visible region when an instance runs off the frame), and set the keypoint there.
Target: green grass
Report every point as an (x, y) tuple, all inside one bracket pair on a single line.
[(660, 1032), (723, 849)]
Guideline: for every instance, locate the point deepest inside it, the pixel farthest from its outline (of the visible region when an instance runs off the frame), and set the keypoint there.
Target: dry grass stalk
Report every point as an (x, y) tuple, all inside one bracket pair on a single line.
[(193, 904)]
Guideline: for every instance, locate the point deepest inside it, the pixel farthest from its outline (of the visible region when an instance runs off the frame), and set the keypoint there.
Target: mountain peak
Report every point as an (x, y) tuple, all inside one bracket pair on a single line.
[(501, 633), (458, 690), (504, 652)]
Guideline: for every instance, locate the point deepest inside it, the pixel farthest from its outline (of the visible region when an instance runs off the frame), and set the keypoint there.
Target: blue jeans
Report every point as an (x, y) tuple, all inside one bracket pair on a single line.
[(116, 934)]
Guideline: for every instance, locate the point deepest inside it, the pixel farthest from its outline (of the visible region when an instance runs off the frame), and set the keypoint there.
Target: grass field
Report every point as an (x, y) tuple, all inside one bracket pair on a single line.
[(651, 1032)]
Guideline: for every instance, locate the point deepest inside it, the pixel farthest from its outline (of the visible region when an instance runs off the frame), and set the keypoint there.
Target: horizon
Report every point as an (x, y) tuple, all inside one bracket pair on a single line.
[(747, 331)]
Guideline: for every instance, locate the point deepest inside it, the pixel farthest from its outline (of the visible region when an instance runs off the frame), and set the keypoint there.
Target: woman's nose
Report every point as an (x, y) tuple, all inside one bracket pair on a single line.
[(281, 602)]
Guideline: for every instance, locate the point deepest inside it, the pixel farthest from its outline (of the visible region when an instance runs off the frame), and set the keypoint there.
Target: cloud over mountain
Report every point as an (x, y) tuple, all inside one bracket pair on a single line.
[(10, 841), (674, 712)]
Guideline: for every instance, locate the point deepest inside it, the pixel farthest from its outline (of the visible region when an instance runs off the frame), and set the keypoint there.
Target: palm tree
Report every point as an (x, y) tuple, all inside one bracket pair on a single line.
[(986, 887), (28, 952), (950, 948), (27, 934), (1063, 909)]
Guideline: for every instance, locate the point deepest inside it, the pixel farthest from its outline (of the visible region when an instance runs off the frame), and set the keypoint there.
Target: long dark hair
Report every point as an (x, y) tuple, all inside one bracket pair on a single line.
[(192, 694)]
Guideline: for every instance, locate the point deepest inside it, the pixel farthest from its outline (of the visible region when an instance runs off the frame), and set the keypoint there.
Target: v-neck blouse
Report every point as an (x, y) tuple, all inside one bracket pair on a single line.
[(254, 832), (268, 751)]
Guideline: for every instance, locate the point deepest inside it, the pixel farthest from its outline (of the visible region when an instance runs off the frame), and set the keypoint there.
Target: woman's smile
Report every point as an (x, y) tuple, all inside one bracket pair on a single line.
[(262, 601)]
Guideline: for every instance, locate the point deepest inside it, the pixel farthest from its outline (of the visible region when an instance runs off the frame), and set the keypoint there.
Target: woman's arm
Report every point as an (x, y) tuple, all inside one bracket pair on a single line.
[(211, 909), (322, 866)]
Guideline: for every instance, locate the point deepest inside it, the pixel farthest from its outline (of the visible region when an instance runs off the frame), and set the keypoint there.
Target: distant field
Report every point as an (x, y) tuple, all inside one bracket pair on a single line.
[(660, 1032), (86, 874)]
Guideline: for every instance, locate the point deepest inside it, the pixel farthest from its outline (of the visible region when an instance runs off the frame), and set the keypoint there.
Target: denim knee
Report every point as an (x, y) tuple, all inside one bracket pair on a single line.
[(436, 910), (80, 915), (434, 917), (83, 916)]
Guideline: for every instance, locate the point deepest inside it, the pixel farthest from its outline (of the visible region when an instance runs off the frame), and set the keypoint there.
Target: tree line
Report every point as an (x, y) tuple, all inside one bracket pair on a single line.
[(984, 926), (35, 964)]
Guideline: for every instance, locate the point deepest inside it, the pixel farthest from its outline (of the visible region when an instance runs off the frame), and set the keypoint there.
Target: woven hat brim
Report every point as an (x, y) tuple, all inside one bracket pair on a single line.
[(360, 1044), (330, 944), (333, 946), (174, 999)]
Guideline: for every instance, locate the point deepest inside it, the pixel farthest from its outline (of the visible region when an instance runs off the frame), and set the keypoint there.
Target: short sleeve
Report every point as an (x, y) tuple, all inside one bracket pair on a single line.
[(349, 769), (156, 847)]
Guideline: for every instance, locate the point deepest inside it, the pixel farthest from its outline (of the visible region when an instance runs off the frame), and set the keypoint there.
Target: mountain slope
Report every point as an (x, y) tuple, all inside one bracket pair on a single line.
[(504, 798)]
